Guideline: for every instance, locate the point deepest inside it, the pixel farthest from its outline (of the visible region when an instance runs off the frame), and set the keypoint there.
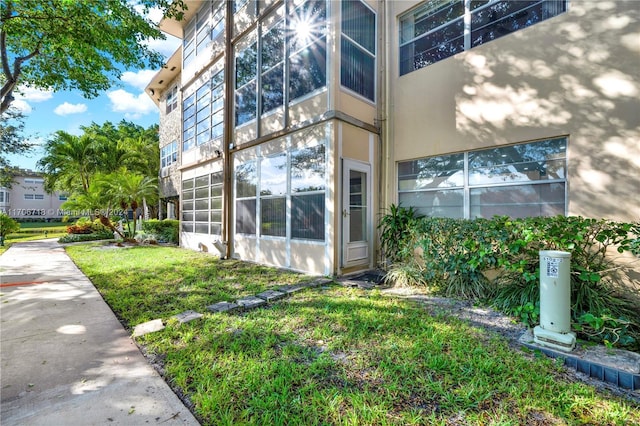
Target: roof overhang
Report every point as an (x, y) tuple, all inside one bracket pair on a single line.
[(160, 82), (175, 27)]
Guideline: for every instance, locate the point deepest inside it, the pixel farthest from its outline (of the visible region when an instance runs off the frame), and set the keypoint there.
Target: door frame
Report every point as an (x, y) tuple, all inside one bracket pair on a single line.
[(346, 246)]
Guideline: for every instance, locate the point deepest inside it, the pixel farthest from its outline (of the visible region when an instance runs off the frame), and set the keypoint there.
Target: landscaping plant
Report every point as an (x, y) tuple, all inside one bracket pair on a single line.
[(497, 261)]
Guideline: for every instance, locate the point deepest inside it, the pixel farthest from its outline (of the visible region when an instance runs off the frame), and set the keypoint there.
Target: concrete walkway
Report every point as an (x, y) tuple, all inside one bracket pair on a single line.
[(65, 359)]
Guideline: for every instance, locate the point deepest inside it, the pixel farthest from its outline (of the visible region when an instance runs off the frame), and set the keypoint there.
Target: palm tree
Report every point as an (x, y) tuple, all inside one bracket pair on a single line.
[(69, 162), (130, 190), (95, 201)]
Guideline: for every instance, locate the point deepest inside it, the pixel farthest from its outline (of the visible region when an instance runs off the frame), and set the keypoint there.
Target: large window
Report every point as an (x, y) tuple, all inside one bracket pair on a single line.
[(169, 154), (202, 30), (202, 204), (286, 191), (519, 181), (358, 49), (437, 30), (203, 112), (308, 55)]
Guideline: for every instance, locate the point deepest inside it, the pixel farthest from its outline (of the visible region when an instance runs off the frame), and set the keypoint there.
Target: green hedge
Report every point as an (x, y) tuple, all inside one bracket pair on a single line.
[(75, 238), (165, 231), (497, 261)]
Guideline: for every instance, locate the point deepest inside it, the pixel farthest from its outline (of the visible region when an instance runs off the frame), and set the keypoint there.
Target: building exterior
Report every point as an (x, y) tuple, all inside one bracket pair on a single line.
[(288, 127), (27, 199)]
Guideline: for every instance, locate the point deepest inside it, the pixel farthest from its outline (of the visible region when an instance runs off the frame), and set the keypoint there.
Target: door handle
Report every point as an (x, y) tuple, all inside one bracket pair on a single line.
[(345, 213)]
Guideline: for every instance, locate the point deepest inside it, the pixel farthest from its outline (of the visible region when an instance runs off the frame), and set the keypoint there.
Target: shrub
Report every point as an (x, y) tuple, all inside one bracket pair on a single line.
[(94, 236), (7, 225), (497, 261), (165, 231)]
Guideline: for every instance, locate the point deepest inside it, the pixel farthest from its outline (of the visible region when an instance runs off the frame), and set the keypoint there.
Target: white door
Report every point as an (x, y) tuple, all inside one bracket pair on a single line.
[(356, 213)]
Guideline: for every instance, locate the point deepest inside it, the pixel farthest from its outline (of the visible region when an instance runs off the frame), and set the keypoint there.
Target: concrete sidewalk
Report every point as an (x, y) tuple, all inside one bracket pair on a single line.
[(65, 358)]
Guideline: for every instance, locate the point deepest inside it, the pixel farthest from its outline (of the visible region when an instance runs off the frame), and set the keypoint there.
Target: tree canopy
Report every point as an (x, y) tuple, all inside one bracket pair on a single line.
[(76, 44), (12, 141)]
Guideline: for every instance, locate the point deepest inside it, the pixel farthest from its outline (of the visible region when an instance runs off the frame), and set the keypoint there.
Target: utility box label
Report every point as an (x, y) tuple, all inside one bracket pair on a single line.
[(553, 265)]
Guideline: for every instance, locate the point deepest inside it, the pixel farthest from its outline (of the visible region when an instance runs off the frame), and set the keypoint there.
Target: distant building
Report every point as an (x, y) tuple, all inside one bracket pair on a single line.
[(288, 127), (27, 199)]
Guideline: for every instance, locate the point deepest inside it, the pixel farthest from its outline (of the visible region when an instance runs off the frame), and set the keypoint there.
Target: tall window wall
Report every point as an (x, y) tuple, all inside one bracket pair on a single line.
[(436, 29), (518, 181), (358, 49), (282, 194), (203, 112), (205, 28), (297, 41)]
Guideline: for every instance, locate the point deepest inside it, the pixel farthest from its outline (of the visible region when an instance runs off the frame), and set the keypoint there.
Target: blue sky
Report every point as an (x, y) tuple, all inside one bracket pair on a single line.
[(47, 112)]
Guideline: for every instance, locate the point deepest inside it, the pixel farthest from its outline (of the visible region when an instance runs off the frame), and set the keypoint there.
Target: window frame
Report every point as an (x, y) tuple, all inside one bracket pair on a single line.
[(465, 23), (346, 39), (466, 187)]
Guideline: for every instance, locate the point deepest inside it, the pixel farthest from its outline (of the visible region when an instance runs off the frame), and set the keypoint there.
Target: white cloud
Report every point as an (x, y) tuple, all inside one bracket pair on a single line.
[(139, 79), (133, 106), (25, 94), (67, 108), (21, 105), (32, 94), (166, 47)]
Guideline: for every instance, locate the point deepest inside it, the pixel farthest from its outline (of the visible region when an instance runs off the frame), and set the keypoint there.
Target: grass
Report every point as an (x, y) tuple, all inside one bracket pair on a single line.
[(30, 231), (331, 355)]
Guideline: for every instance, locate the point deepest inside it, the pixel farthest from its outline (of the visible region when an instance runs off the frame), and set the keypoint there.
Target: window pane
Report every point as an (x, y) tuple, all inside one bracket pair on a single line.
[(435, 172), (273, 216), (246, 180), (201, 204), (187, 226), (444, 203), (308, 24), (519, 163), (432, 47), (273, 89), (359, 24), (187, 215), (202, 228), (307, 70), (273, 175), (273, 47), (246, 104), (308, 169), (246, 65), (357, 70), (518, 201), (202, 216), (246, 216), (504, 17), (202, 181), (307, 216), (202, 192)]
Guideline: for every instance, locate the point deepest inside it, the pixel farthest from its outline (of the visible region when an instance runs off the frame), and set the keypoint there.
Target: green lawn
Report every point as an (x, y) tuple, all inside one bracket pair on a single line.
[(30, 231), (331, 355)]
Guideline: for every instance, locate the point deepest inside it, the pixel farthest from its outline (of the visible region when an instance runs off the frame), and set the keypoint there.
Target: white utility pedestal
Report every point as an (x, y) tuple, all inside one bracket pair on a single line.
[(554, 330)]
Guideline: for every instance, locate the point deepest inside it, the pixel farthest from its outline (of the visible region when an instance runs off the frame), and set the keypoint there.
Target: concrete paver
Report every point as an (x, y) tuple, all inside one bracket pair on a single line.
[(65, 359)]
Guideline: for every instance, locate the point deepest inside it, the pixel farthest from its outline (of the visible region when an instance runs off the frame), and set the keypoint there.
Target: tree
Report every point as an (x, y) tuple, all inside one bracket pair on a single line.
[(11, 142), (69, 44), (69, 162), (130, 190), (7, 226)]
